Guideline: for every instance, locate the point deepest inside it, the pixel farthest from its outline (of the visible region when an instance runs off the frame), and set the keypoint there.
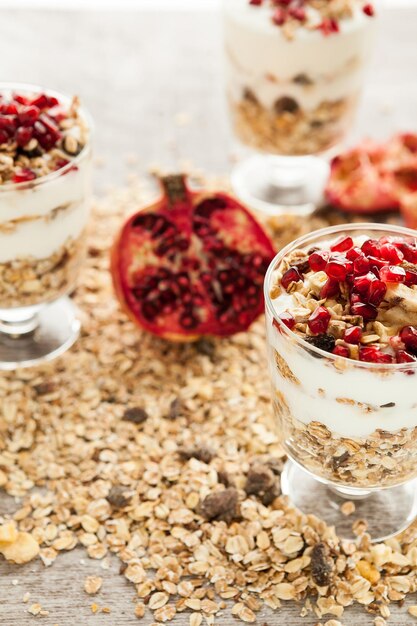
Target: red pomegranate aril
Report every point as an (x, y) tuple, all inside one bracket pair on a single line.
[(337, 269), (370, 247), (343, 244), (361, 284), (17, 97), (409, 336), (318, 260), (409, 251), (23, 135), (377, 291), (288, 320), (353, 335), (290, 276), (367, 311), (369, 10), (377, 263), (405, 357), (341, 351), (410, 278), (256, 3), (4, 137), (392, 274), (8, 108), (23, 175), (298, 13), (28, 115), (318, 321), (41, 101), (279, 16), (371, 354), (361, 266), (390, 253), (330, 289), (8, 123), (329, 26), (354, 253)]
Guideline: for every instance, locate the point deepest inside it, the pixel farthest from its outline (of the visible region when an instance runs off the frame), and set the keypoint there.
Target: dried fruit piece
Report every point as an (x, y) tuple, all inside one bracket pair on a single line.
[(221, 505), (324, 342), (192, 264), (322, 565), (262, 483), (319, 320), (119, 497), (203, 454), (136, 415), (290, 276), (353, 335), (341, 351)]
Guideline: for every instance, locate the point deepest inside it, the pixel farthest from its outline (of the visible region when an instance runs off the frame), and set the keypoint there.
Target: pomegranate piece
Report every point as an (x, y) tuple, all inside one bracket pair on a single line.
[(405, 357), (337, 269), (288, 320), (330, 289), (377, 291), (298, 13), (28, 115), (353, 335), (367, 311), (361, 265), (23, 175), (341, 351), (318, 321), (318, 260), (410, 278), (256, 3), (290, 276), (192, 264), (408, 336), (362, 284), (369, 10), (329, 26), (392, 274), (23, 135), (279, 16), (391, 253), (343, 244), (371, 354)]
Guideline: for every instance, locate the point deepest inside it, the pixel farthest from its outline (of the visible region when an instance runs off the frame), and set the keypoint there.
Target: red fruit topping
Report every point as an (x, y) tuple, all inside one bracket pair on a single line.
[(369, 10), (318, 321), (28, 115), (354, 253), (361, 265), (405, 357), (8, 123), (23, 175), (4, 137), (279, 16), (362, 284), (8, 108), (23, 135), (291, 276), (409, 336), (367, 311), (371, 247), (256, 3), (409, 251), (337, 269), (192, 264), (371, 354), (410, 278), (377, 291), (391, 253), (318, 260), (298, 13), (353, 335), (329, 26), (330, 289), (343, 244), (288, 320), (392, 274), (341, 351), (43, 101), (17, 97)]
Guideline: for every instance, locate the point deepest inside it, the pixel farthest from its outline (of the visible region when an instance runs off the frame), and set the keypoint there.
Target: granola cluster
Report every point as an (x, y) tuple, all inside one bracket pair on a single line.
[(167, 456), (288, 128), (38, 135)]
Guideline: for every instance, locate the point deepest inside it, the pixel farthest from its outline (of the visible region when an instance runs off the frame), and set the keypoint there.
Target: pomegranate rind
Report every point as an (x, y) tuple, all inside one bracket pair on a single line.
[(164, 326)]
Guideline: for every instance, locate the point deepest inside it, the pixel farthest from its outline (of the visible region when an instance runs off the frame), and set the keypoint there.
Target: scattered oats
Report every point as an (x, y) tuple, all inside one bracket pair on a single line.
[(92, 584), (94, 608), (195, 619), (106, 609), (26, 597), (413, 610), (35, 609), (165, 614), (22, 550), (348, 508), (157, 600), (139, 610)]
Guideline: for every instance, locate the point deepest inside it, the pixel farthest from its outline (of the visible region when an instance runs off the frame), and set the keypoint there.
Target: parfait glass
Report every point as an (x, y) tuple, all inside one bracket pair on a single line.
[(293, 87), (42, 246), (349, 427)]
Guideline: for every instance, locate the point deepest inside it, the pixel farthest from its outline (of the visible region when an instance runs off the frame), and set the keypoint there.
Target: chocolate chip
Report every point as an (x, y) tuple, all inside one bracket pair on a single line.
[(322, 565), (203, 454), (118, 497), (174, 409), (135, 415), (286, 105), (221, 505), (324, 342), (262, 483)]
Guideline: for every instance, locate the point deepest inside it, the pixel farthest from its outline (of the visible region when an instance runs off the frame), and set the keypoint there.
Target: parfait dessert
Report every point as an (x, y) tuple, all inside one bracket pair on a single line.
[(342, 337), (295, 70), (44, 188)]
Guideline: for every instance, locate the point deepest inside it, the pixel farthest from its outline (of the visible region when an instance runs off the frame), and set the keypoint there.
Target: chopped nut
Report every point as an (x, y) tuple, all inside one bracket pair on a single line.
[(92, 584)]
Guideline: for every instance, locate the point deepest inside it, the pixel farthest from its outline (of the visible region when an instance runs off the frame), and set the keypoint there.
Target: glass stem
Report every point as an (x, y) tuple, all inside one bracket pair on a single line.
[(350, 494), (19, 322)]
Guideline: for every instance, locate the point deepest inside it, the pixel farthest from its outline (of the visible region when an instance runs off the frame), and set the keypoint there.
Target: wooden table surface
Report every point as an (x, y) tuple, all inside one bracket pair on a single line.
[(153, 83)]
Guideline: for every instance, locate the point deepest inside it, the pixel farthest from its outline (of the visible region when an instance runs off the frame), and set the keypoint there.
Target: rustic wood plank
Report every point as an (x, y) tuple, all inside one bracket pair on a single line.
[(137, 72)]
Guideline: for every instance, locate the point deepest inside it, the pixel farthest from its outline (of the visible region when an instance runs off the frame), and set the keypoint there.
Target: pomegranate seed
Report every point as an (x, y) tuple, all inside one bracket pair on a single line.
[(256, 3), (342, 244), (337, 269), (409, 336), (329, 26), (8, 108), (17, 97), (4, 137), (23, 135), (341, 351), (279, 17), (41, 101), (371, 354), (288, 320), (8, 123), (391, 253), (291, 276), (354, 253), (370, 247), (408, 250), (362, 284), (330, 289), (369, 10), (367, 311), (410, 278), (318, 321), (392, 274), (361, 266), (28, 115), (377, 263), (298, 13), (405, 357), (318, 260), (24, 175), (353, 335), (377, 291)]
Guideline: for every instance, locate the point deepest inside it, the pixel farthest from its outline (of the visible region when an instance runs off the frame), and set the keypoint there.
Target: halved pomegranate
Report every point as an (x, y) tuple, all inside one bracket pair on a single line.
[(192, 264)]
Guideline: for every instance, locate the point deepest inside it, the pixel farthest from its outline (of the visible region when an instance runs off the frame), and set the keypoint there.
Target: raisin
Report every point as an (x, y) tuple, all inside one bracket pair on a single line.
[(44, 388), (206, 347), (224, 479), (324, 342), (262, 483), (135, 415), (118, 497), (339, 461), (203, 454), (221, 505), (322, 565), (174, 410), (286, 105)]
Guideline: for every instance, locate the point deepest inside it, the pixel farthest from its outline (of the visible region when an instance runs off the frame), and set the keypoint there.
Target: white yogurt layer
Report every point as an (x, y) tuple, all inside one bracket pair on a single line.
[(30, 226), (262, 59)]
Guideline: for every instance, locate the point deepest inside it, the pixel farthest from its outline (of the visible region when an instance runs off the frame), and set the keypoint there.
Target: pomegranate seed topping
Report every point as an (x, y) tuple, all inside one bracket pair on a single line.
[(279, 16), (405, 357), (17, 97), (371, 354), (318, 260), (370, 247), (4, 137), (42, 101), (341, 351), (23, 135), (8, 108), (337, 269), (24, 175), (377, 263), (28, 115), (256, 3), (410, 278), (353, 335), (390, 253), (367, 311), (369, 10), (409, 336), (330, 289), (377, 291), (288, 320), (318, 321), (298, 13), (329, 26), (291, 276), (342, 244), (362, 284), (392, 274), (354, 253), (8, 123), (409, 251), (361, 266)]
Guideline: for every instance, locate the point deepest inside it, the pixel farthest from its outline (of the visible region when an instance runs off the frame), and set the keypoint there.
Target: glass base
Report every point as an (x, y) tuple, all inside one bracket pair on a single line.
[(45, 335), (387, 512), (278, 185)]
